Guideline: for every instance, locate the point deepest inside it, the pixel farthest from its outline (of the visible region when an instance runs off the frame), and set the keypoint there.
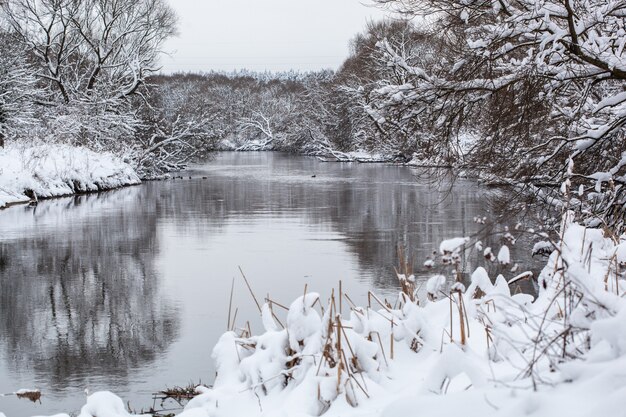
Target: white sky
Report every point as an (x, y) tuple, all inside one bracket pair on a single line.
[(274, 35)]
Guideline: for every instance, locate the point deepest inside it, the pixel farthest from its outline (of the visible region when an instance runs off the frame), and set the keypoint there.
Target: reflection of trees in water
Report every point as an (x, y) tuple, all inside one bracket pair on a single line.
[(384, 217), (375, 207), (82, 298)]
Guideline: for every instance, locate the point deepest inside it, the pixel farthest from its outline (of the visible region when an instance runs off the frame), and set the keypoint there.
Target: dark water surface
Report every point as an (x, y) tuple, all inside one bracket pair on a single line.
[(128, 290)]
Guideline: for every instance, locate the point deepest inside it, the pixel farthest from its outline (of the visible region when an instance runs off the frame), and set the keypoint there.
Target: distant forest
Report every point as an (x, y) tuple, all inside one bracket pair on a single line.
[(498, 92)]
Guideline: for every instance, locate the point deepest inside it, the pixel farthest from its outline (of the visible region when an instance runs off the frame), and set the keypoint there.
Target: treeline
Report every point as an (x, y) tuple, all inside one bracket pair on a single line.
[(75, 72), (531, 93), (320, 113)]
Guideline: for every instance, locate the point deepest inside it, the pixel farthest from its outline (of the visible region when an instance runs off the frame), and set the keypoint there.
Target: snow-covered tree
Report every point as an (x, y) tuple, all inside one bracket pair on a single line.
[(367, 72), (17, 92), (91, 60), (538, 81), (265, 124), (93, 48)]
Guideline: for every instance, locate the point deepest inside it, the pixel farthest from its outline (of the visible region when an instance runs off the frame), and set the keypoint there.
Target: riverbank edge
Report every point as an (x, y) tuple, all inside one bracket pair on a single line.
[(25, 196), (29, 173), (29, 200)]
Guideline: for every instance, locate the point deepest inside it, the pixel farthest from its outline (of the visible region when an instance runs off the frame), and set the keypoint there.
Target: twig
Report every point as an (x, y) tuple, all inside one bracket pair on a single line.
[(230, 303), (250, 289)]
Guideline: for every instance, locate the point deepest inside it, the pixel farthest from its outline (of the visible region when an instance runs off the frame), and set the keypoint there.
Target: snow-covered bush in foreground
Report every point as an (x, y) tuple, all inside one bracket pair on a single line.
[(55, 170), (474, 351)]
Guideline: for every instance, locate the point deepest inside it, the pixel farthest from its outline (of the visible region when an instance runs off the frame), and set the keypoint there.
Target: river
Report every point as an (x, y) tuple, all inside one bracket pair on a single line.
[(128, 290)]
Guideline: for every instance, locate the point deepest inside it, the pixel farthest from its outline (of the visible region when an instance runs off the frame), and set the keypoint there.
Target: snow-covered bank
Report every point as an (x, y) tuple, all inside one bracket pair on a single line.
[(355, 156), (477, 350), (324, 154), (51, 170)]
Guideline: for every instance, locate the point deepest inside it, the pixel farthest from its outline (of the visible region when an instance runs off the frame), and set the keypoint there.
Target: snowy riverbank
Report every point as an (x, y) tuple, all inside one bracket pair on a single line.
[(48, 171), (439, 350)]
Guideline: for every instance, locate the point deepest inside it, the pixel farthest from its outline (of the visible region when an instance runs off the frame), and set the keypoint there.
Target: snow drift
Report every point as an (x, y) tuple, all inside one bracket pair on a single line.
[(47, 170)]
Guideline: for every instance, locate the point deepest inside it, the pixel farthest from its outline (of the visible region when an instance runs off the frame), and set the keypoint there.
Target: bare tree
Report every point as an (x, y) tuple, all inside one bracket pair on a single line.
[(17, 92), (103, 48), (92, 59)]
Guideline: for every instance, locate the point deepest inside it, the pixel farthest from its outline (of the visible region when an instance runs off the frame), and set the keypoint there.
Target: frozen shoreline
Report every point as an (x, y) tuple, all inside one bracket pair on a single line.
[(31, 172)]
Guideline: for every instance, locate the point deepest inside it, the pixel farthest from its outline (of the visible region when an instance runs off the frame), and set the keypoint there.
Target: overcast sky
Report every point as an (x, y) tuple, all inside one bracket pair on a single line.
[(274, 35)]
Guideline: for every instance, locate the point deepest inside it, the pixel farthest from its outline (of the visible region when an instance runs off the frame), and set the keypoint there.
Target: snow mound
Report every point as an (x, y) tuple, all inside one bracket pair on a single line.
[(104, 404), (53, 170)]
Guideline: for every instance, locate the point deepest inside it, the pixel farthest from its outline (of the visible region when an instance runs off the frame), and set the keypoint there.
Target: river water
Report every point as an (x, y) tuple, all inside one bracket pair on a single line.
[(128, 290)]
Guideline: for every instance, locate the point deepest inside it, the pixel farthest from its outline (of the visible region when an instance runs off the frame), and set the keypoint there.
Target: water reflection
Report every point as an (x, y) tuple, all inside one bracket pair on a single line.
[(374, 208), (79, 294), (128, 290)]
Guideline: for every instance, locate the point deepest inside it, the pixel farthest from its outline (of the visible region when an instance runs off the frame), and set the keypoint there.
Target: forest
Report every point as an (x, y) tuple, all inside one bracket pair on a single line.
[(498, 91)]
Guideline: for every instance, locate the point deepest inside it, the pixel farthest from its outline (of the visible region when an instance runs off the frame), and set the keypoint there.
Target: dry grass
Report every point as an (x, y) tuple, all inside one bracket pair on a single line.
[(405, 275), (337, 356), (178, 394), (34, 395)]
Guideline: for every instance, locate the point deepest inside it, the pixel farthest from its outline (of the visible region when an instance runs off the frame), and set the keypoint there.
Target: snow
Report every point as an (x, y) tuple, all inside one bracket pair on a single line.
[(434, 285), (464, 16), (268, 320), (480, 280), (304, 324), (354, 156), (612, 331), (104, 404), (24, 391), (504, 255), (53, 170), (471, 353), (488, 253), (611, 101), (452, 245), (542, 247), (620, 254), (363, 156)]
